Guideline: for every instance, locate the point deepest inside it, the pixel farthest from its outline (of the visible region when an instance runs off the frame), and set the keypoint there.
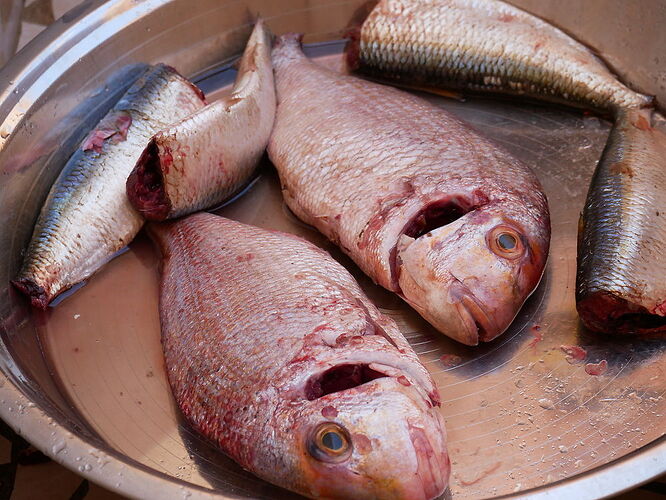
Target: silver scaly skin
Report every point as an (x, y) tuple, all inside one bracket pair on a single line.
[(620, 286), (207, 157), (483, 45), (87, 216)]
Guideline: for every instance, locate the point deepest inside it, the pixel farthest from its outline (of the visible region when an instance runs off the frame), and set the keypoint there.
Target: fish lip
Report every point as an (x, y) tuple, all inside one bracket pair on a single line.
[(480, 325), (432, 468)]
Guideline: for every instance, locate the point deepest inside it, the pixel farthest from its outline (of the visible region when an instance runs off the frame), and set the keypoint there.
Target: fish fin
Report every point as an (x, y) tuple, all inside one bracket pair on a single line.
[(434, 90), (450, 94)]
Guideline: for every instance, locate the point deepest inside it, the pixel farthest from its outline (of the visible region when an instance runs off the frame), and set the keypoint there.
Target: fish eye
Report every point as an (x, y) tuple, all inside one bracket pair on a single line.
[(330, 442), (506, 242)]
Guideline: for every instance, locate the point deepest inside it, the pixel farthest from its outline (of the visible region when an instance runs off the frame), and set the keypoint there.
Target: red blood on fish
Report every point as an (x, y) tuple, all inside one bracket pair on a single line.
[(362, 443), (660, 309), (404, 381), (266, 392), (245, 258), (114, 126), (329, 412), (596, 368)]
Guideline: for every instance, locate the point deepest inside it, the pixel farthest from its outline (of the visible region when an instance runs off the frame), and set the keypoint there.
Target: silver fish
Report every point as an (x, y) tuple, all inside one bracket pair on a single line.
[(208, 156), (423, 204), (275, 354), (483, 45), (87, 216), (492, 46), (620, 286)]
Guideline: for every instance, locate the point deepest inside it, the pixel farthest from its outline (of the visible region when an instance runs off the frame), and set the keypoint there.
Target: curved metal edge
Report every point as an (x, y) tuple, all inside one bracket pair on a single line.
[(28, 74), (130, 478), (111, 471), (625, 473)]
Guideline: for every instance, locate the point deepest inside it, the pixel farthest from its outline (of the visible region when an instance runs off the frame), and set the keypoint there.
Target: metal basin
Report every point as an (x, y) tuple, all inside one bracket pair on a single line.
[(85, 381)]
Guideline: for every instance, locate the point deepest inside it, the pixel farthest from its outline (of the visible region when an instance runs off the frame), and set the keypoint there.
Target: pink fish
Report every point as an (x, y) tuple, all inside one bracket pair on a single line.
[(423, 204), (275, 354)]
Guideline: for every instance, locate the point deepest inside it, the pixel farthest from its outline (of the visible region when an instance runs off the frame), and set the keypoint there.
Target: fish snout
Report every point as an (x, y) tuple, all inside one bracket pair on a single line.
[(479, 322)]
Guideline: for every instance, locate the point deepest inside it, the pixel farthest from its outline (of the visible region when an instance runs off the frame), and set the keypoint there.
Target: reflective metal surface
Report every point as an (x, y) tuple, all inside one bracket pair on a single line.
[(85, 381)]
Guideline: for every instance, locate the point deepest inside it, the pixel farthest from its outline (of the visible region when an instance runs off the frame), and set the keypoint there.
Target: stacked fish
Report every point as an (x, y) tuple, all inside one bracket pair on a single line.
[(423, 204)]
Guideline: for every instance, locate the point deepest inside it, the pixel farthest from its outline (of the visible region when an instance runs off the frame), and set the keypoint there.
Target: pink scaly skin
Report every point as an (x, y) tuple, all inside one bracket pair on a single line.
[(423, 204), (270, 344)]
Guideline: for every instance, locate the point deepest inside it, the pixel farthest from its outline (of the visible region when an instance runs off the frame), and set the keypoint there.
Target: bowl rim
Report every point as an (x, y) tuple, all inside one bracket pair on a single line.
[(25, 76)]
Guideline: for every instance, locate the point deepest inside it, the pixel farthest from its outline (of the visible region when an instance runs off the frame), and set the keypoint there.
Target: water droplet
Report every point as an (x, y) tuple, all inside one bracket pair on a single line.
[(546, 404), (59, 447), (563, 449)]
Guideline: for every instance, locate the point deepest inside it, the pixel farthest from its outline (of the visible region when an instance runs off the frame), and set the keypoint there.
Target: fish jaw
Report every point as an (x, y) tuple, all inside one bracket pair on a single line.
[(458, 280), (397, 443), (208, 156)]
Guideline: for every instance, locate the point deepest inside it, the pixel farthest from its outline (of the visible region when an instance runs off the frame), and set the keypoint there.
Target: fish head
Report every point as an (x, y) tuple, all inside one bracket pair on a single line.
[(469, 278), (382, 439)]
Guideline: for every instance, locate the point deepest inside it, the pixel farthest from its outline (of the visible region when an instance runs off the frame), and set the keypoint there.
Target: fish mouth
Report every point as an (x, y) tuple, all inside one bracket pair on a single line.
[(353, 375), (479, 324)]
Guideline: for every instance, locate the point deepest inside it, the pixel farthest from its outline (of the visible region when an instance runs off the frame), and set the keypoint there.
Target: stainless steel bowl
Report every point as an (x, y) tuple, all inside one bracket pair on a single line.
[(85, 382)]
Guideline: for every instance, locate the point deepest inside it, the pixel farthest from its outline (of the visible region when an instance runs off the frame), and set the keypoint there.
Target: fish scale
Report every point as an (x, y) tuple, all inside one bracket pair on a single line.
[(252, 320), (483, 45), (87, 216), (364, 163)]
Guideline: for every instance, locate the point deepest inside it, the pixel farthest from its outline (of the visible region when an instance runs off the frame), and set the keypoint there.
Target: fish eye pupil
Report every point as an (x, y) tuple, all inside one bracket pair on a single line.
[(330, 443), (507, 241), (332, 440)]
